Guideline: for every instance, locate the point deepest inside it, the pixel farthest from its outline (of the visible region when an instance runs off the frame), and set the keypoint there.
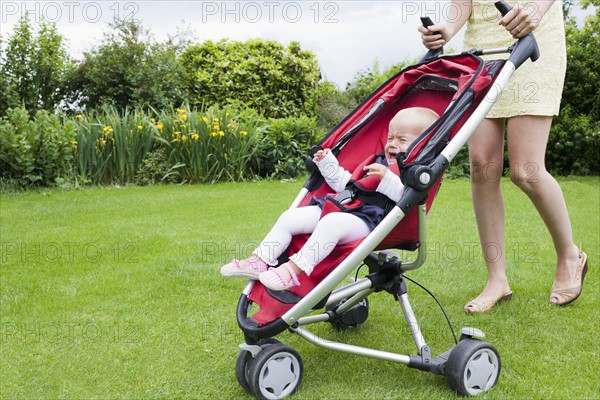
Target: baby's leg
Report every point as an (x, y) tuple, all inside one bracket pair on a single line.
[(333, 229), (297, 221)]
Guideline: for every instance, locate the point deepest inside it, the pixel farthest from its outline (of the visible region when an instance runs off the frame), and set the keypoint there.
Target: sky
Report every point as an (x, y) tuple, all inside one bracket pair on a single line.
[(346, 36)]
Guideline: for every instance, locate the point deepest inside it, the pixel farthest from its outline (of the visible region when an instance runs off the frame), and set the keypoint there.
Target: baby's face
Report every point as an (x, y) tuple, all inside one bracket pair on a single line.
[(400, 136)]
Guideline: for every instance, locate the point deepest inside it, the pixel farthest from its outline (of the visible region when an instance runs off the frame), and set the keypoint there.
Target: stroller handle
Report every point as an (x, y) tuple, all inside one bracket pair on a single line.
[(431, 54), (525, 48)]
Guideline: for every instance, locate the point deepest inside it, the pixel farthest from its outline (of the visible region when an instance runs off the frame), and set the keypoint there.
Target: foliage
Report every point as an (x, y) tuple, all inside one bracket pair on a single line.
[(216, 145), (128, 69), (334, 106), (274, 80), (35, 150), (574, 142), (284, 148), (367, 81), (34, 68), (112, 144), (109, 146)]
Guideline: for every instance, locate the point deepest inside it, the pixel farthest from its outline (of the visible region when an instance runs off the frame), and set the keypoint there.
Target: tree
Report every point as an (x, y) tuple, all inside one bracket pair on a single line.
[(34, 67), (129, 69)]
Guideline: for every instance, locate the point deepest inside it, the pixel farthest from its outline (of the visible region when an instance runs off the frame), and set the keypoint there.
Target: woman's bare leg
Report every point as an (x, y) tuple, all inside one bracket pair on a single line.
[(486, 153), (527, 140)]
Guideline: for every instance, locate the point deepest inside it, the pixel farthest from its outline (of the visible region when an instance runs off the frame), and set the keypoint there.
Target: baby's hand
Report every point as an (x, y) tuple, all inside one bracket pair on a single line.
[(320, 155), (376, 169)]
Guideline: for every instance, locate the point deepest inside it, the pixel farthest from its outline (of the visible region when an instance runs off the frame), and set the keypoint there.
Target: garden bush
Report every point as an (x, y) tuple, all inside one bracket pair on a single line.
[(274, 80), (285, 146), (35, 151)]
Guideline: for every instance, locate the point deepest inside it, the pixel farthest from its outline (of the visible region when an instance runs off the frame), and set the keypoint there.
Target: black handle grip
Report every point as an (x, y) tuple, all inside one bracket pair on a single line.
[(526, 47), (431, 54), (426, 21), (503, 7)]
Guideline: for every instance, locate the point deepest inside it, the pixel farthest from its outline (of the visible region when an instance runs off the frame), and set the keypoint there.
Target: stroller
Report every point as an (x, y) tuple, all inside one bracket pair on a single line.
[(460, 88)]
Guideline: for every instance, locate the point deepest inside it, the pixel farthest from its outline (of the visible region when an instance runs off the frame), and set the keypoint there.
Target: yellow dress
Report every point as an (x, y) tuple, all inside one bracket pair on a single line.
[(535, 88)]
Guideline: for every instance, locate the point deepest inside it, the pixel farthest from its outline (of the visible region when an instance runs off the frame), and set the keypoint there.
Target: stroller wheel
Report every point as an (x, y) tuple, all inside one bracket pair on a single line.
[(352, 318), (242, 364), (473, 367), (276, 372)]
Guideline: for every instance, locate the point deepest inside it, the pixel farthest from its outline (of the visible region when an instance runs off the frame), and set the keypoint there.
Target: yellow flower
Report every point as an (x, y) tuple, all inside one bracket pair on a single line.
[(221, 133), (205, 119), (184, 138), (195, 136), (108, 130), (244, 133), (183, 126), (160, 126), (102, 141), (73, 142), (183, 117), (140, 127), (213, 134), (177, 133), (153, 120), (177, 139), (79, 117)]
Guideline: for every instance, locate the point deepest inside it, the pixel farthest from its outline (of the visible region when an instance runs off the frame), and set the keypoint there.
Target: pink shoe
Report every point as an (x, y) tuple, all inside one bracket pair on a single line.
[(250, 268), (274, 281)]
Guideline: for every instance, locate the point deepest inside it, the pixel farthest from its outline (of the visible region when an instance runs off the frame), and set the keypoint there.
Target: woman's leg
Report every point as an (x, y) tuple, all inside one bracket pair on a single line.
[(297, 221), (527, 140), (486, 154)]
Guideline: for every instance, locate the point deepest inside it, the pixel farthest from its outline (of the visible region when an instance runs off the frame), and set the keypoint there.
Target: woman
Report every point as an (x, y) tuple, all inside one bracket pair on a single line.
[(526, 109)]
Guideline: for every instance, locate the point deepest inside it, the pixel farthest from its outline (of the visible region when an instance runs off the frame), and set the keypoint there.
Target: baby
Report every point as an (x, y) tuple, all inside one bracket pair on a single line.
[(328, 229)]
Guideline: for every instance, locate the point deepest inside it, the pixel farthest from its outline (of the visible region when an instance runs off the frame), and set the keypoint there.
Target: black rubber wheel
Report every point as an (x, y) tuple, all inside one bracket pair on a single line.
[(473, 367), (352, 318), (276, 372), (242, 364)]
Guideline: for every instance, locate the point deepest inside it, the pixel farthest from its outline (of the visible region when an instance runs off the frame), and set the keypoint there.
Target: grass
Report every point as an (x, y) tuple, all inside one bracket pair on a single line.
[(115, 293)]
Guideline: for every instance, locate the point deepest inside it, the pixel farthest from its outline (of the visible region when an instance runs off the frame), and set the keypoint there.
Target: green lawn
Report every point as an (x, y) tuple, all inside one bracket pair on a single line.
[(115, 293)]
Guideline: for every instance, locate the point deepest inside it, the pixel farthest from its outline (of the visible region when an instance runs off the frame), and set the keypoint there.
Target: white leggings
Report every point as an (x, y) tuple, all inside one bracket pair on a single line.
[(334, 228)]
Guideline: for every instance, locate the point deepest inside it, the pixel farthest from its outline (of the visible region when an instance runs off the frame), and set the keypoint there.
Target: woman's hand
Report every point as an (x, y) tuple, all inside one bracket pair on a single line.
[(434, 41), (520, 21), (376, 169)]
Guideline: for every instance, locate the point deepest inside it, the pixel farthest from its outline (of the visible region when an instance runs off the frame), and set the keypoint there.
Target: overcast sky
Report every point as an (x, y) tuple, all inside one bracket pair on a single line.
[(346, 36)]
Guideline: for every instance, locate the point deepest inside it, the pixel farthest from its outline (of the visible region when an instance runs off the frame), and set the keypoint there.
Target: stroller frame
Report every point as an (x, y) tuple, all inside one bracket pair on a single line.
[(264, 360)]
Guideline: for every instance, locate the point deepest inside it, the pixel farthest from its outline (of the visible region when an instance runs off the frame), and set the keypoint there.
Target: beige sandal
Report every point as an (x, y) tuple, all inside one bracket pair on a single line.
[(569, 295), (476, 307)]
